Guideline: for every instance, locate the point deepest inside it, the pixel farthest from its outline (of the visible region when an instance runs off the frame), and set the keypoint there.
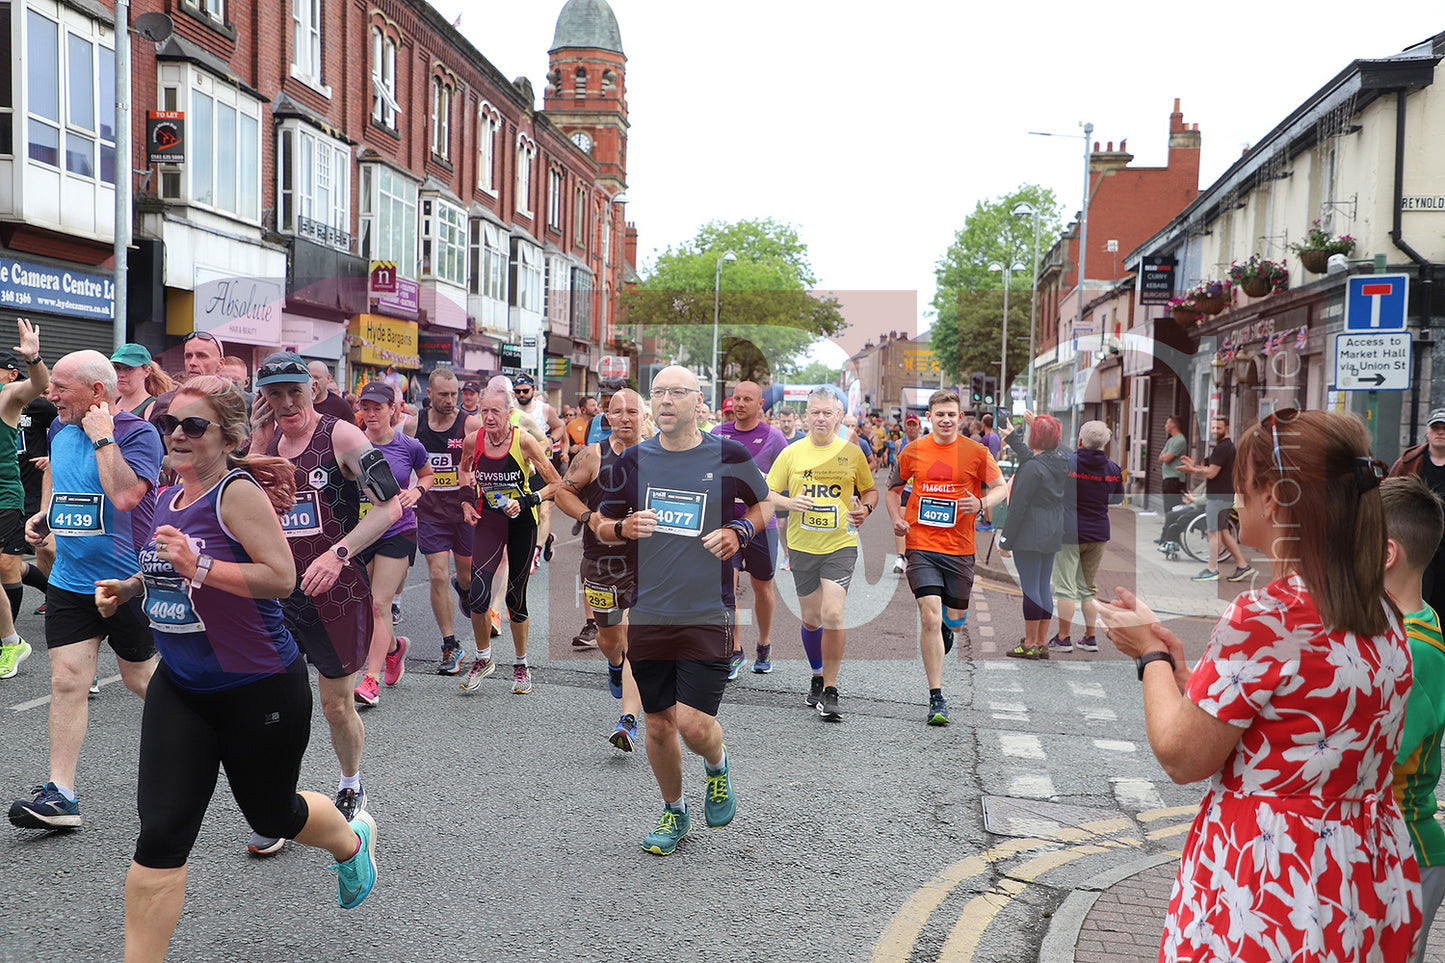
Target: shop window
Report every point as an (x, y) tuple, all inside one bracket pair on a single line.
[(443, 240)]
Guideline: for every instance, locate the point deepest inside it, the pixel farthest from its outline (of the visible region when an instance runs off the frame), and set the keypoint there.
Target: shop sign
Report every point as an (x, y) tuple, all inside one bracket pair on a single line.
[(1156, 280), (510, 355), (919, 360), (557, 369), (243, 310), (380, 341), (166, 136), (614, 366), (396, 296), (383, 277), (1111, 382), (436, 349), (37, 287)]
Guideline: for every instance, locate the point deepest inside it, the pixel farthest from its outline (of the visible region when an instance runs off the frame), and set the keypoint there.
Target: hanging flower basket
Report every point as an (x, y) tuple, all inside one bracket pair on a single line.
[(1209, 305), (1187, 316), (1255, 287), (1315, 261)]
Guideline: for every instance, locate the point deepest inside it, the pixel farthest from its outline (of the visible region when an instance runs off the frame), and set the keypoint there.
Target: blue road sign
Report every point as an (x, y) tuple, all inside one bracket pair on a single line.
[(1377, 302)]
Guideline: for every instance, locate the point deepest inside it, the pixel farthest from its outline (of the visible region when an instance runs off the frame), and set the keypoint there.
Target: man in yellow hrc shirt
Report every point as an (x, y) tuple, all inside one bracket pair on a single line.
[(830, 492)]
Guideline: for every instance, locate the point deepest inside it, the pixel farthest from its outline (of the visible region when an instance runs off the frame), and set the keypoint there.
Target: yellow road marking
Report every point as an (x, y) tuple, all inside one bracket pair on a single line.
[(980, 911), (1167, 831), (1153, 814)]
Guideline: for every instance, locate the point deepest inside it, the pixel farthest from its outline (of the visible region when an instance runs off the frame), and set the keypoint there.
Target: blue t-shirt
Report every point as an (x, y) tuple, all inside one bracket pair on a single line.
[(679, 582), (600, 429), (93, 540)]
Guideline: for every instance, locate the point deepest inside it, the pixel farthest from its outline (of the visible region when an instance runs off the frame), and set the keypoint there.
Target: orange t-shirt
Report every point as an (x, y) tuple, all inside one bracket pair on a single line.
[(942, 474)]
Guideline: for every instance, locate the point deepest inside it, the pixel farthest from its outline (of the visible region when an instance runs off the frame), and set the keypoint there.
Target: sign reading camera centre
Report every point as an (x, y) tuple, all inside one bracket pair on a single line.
[(25, 286)]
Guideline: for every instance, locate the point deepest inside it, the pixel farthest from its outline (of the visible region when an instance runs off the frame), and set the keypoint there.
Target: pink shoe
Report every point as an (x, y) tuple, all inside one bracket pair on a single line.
[(396, 661), (368, 692)]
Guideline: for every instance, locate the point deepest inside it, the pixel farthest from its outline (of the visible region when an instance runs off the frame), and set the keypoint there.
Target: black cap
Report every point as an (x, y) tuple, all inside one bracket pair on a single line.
[(9, 362), (378, 391), (471, 386)]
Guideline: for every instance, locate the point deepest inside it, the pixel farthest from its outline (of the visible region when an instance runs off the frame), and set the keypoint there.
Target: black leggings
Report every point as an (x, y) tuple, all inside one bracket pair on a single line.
[(495, 532), (257, 731)]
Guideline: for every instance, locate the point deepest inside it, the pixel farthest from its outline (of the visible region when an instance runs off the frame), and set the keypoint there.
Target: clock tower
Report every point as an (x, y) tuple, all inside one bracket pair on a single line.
[(586, 87)]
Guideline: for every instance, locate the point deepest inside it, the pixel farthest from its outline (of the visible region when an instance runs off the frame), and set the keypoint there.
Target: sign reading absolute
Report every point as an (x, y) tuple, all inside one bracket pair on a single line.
[(243, 310), (166, 136), (37, 287), (1156, 280), (1372, 362)]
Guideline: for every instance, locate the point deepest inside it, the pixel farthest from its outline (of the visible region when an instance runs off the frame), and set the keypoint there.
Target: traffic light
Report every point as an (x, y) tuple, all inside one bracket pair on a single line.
[(990, 391), (976, 383)]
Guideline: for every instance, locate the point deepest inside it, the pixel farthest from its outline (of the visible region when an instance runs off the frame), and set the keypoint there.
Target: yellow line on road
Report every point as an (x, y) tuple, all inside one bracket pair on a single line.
[(973, 921), (1167, 831), (1030, 871), (1153, 814)]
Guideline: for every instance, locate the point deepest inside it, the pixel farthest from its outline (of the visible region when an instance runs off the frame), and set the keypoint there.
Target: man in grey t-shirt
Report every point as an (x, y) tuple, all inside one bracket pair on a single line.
[(1174, 449)]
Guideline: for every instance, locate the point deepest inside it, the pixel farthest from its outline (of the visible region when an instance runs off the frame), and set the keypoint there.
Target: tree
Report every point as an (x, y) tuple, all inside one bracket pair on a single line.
[(812, 373), (969, 297), (767, 318)]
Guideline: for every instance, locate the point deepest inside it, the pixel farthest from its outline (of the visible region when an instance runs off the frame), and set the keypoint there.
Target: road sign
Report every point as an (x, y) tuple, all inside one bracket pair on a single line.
[(1372, 362), (1376, 302)]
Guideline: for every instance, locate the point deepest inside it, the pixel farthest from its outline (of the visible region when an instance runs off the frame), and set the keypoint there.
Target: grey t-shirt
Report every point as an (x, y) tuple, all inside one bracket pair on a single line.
[(1174, 446)]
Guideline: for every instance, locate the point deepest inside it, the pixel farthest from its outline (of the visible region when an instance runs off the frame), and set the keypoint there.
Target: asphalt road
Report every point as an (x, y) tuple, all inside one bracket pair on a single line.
[(510, 829)]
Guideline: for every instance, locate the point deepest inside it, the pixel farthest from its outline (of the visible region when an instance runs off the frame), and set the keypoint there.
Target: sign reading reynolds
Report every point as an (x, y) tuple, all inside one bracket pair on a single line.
[(37, 287), (243, 310)]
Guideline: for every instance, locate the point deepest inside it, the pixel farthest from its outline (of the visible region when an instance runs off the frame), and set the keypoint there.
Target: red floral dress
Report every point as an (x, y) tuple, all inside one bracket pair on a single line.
[(1298, 851)]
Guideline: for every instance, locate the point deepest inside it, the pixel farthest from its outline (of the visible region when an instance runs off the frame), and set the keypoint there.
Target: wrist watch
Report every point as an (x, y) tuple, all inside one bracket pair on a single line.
[(203, 568), (38, 359), (585, 516), (340, 551), (1145, 659), (617, 529), (100, 443)]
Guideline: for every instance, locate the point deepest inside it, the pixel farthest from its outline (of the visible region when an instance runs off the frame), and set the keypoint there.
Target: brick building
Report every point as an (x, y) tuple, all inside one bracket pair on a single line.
[(356, 181)]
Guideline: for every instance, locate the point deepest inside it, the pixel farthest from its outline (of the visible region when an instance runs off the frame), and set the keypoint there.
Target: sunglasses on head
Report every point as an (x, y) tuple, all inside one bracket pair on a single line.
[(194, 426), (201, 335), (281, 368)]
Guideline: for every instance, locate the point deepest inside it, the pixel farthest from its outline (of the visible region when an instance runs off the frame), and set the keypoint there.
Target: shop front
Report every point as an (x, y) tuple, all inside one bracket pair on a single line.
[(243, 313), (72, 306), (382, 349)]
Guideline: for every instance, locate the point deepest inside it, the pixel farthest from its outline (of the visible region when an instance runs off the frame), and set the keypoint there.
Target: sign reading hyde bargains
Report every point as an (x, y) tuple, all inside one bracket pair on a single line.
[(38, 287)]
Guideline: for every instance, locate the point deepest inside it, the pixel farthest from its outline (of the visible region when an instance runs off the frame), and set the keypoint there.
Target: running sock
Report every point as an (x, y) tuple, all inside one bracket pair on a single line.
[(935, 692), (350, 782), (16, 594), (34, 578), (813, 646), (484, 653), (12, 639), (450, 642), (522, 662), (718, 769), (678, 805), (65, 791)]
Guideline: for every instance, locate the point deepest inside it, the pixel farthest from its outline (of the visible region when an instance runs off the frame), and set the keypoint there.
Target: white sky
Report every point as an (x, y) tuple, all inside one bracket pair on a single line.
[(875, 128)]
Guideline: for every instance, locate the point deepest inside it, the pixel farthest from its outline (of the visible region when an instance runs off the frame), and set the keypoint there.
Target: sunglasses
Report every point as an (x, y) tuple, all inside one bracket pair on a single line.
[(194, 426), (281, 368), (202, 335)]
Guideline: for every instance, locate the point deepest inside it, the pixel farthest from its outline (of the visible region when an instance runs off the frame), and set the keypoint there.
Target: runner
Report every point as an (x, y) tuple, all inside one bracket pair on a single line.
[(670, 496), (232, 689), (15, 396), (470, 391), (912, 431), (99, 496), (609, 570), (329, 611), (949, 473), (505, 516), (441, 531), (831, 492), (764, 443), (524, 388), (388, 558)]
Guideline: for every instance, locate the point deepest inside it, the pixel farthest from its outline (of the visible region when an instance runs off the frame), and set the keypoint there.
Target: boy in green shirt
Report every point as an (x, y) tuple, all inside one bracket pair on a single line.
[(1415, 520)]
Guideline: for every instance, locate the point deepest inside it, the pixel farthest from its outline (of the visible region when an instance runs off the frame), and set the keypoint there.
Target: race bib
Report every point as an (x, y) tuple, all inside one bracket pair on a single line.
[(168, 605), (820, 518), (493, 497), (937, 512), (304, 518), (365, 507), (72, 514), (678, 513), (602, 598), (444, 474)]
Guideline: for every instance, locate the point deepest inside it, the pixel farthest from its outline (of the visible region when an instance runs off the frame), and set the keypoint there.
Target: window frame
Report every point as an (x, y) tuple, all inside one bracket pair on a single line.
[(526, 154), (65, 126), (378, 239), (443, 240), (556, 179), (443, 97), (489, 126), (182, 80), (329, 163), (385, 108), (306, 19)]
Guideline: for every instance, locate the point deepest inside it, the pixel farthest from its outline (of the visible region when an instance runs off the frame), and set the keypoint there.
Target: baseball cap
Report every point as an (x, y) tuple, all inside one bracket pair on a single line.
[(283, 367), (912, 418), (9, 362), (1437, 415), (131, 355), (378, 391), (727, 404), (471, 386), (524, 380)]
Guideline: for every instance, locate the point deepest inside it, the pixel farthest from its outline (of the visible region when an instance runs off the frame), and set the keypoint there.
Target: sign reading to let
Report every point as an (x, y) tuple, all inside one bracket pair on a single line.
[(166, 136)]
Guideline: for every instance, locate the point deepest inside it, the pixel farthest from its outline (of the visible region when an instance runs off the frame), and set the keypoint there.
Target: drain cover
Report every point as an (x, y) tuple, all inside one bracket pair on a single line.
[(1005, 816)]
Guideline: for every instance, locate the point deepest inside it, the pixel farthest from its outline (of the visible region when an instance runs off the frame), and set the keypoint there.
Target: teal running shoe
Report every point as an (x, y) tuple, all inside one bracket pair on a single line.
[(356, 876), (721, 804), (671, 828)]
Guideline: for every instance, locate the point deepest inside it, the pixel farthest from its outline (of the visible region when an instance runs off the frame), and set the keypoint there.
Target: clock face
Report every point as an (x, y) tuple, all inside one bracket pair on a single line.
[(583, 140)]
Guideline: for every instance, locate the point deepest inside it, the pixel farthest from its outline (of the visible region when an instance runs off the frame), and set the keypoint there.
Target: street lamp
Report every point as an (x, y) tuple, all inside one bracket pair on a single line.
[(1024, 210), (716, 305), (1007, 270)]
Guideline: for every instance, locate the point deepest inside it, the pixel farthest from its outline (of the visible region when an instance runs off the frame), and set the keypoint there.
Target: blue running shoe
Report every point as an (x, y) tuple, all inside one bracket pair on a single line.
[(735, 665), (357, 875), (48, 810), (451, 663), (671, 828), (721, 804), (614, 680), (937, 711), (463, 598), (763, 664), (625, 734)]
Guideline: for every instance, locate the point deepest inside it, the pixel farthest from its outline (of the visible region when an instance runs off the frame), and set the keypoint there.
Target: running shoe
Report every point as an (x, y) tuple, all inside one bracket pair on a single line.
[(496, 628), (1025, 651), (625, 734), (614, 680), (463, 598), (671, 828), (356, 876), (40, 609), (396, 661), (351, 802), (735, 665), (521, 679), (1205, 575), (48, 810), (1088, 644), (1065, 644), (547, 548), (587, 638), (11, 656), (451, 660), (937, 710), (785, 565), (481, 668), (763, 664), (721, 804), (368, 691), (94, 686), (947, 634), (983, 526), (900, 565), (264, 845), (1240, 574), (828, 705), (536, 558), (396, 615), (815, 691)]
